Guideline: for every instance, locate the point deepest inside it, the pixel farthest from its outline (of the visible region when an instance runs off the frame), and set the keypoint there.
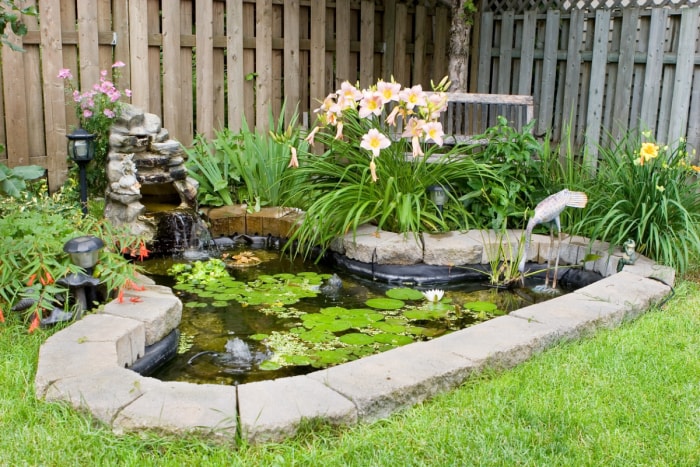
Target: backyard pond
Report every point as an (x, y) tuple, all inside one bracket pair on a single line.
[(255, 314)]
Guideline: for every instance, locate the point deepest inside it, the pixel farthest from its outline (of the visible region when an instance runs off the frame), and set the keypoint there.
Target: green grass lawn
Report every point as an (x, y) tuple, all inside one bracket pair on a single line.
[(628, 396)]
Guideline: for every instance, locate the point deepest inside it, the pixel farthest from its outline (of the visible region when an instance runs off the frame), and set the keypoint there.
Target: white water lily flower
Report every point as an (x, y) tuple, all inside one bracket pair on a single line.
[(434, 295)]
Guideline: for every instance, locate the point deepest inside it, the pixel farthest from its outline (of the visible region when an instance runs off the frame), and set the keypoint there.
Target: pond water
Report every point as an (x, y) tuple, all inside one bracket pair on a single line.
[(256, 315)]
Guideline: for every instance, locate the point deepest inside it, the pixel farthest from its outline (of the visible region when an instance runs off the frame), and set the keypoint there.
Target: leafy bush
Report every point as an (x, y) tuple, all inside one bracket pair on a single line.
[(34, 230), (12, 181), (372, 172), (96, 110), (649, 194), (515, 158)]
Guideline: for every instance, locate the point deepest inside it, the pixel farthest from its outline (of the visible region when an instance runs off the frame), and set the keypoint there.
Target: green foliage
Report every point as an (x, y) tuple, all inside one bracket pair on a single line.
[(247, 167), (519, 184), (12, 181), (10, 14), (648, 194), (96, 110), (213, 170), (34, 230), (355, 183)]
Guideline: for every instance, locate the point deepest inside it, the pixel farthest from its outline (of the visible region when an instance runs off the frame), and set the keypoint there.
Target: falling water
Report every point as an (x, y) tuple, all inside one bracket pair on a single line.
[(181, 232)]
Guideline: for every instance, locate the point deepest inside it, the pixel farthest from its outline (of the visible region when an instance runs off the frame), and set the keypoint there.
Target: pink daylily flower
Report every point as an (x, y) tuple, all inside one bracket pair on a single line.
[(374, 141), (371, 104)]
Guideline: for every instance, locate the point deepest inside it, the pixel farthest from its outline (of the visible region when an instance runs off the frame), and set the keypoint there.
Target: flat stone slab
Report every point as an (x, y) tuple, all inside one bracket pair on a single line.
[(88, 346), (381, 384), (451, 248), (160, 312), (635, 293), (102, 393), (371, 245), (573, 315), (501, 342), (273, 410), (181, 408)]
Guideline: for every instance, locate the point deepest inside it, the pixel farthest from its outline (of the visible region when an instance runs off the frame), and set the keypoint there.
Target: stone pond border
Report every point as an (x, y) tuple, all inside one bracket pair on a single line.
[(86, 363)]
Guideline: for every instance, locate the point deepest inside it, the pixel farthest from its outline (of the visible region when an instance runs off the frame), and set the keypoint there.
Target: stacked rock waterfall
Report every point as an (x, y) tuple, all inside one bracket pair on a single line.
[(144, 161)]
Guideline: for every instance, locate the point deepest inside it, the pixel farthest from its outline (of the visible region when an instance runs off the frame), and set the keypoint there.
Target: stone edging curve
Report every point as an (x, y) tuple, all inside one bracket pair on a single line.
[(85, 363)]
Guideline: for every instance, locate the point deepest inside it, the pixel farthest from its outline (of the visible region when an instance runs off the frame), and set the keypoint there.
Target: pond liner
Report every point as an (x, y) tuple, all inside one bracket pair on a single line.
[(158, 354), (427, 274)]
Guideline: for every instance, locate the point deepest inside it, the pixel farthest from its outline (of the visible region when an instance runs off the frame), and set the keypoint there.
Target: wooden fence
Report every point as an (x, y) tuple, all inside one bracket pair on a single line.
[(594, 74), (203, 65)]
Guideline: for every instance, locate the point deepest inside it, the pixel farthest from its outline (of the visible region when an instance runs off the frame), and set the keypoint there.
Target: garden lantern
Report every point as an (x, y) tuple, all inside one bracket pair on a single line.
[(84, 252), (81, 148), (438, 195)]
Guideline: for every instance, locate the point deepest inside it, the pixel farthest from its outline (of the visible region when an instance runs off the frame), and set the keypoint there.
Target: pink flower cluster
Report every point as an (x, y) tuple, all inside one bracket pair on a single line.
[(100, 97), (418, 110)]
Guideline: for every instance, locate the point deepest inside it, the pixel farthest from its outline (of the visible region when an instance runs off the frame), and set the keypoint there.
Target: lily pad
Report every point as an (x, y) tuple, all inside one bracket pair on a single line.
[(356, 338), (481, 306), (404, 293), (391, 328), (385, 303), (269, 365), (394, 339)]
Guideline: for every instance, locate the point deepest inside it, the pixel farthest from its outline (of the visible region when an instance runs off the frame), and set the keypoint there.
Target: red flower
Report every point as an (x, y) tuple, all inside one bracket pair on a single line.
[(129, 284), (32, 278), (143, 251), (2, 317), (135, 299), (120, 296), (35, 322)]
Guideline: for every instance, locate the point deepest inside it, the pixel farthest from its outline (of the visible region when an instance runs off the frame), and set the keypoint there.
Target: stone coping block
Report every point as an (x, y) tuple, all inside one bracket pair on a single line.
[(381, 384), (90, 345), (573, 315), (159, 312), (502, 342), (451, 248), (272, 410), (635, 293), (371, 245), (180, 408), (102, 393)]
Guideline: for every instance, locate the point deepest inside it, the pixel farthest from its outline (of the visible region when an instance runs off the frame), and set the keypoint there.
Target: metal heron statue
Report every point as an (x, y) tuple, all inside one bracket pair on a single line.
[(547, 211)]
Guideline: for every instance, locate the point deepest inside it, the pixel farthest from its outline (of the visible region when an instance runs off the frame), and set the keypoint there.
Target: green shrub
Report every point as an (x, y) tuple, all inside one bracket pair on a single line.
[(34, 230), (515, 158), (649, 194)]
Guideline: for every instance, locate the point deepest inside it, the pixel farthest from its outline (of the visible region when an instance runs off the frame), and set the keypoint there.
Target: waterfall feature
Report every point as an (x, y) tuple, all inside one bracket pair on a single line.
[(148, 187)]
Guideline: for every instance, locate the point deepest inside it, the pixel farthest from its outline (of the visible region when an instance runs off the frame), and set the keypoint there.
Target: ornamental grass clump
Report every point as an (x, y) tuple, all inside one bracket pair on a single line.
[(647, 193), (383, 147)]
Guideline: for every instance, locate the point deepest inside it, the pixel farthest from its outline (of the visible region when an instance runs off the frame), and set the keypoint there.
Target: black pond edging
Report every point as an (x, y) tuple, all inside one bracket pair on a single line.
[(426, 274), (157, 354)]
